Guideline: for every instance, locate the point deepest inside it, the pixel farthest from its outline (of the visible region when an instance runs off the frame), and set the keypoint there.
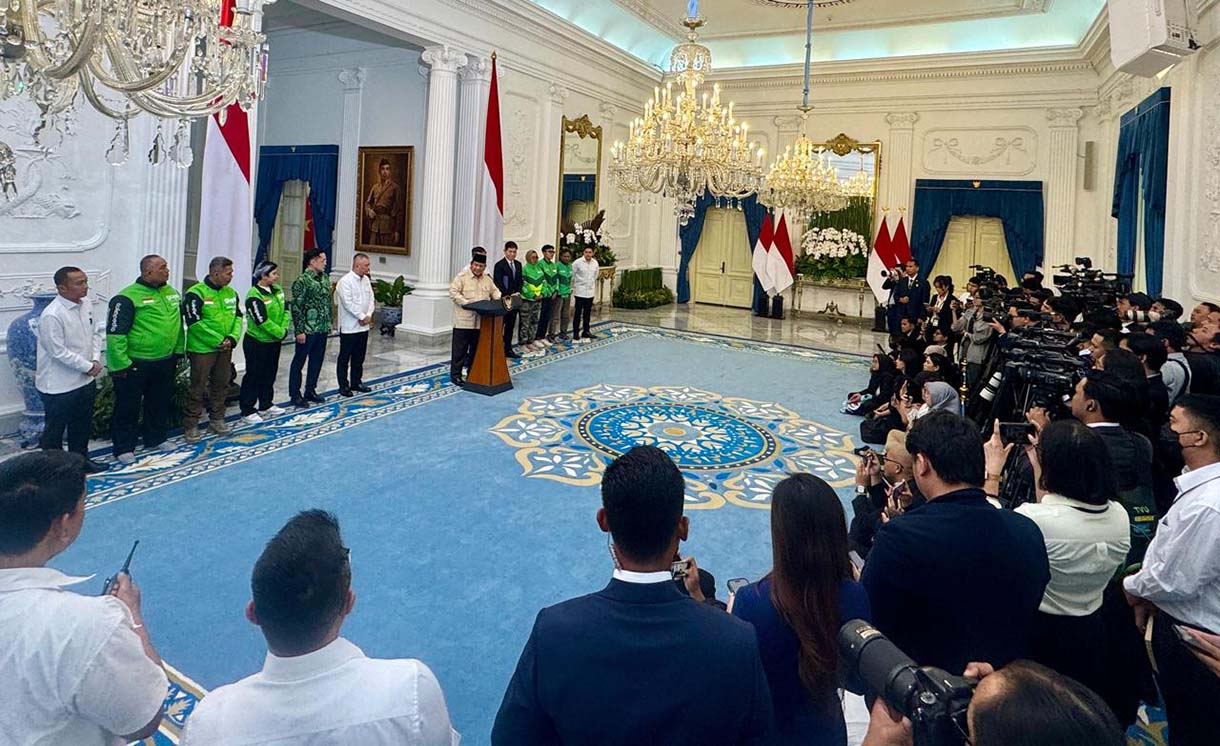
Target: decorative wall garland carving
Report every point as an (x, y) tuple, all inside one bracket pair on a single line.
[(520, 132), (1009, 151)]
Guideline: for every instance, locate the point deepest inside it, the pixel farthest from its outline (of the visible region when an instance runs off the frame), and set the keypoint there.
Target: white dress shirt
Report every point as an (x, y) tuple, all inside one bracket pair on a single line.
[(355, 295), (331, 696), (68, 343), (1086, 544), (1181, 570), (74, 671), (584, 277), (643, 578)]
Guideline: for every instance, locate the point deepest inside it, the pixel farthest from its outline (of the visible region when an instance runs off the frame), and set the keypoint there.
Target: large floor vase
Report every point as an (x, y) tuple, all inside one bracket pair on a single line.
[(23, 354)]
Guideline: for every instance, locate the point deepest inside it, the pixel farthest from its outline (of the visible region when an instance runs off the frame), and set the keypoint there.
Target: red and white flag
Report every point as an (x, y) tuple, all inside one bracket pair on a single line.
[(880, 260), (761, 252), (489, 201), (902, 244), (779, 261)]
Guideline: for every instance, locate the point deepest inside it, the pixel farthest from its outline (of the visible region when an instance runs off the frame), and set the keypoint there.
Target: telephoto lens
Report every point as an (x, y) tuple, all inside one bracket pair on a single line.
[(934, 701)]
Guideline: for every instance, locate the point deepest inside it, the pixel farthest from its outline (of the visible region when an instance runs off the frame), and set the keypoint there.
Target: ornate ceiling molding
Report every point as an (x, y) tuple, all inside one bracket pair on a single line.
[(753, 78)]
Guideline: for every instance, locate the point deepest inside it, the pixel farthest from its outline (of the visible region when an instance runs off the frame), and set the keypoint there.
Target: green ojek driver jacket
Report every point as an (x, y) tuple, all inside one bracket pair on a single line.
[(143, 323), (212, 315)]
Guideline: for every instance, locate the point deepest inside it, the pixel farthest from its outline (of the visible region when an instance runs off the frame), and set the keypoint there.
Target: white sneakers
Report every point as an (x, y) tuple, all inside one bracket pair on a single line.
[(252, 419), (275, 411)]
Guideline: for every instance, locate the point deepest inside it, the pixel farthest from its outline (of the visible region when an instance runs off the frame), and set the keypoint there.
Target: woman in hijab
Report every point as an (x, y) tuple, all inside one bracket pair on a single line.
[(939, 396), (882, 375)]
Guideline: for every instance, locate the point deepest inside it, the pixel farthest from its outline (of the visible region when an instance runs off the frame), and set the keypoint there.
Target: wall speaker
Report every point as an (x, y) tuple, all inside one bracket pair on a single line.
[(1090, 165)]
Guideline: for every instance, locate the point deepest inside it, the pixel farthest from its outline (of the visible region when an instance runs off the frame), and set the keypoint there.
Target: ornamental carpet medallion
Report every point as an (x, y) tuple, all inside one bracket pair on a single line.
[(730, 449)]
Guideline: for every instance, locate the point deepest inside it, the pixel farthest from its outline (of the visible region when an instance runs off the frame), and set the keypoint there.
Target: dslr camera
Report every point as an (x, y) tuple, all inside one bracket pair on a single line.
[(935, 701)]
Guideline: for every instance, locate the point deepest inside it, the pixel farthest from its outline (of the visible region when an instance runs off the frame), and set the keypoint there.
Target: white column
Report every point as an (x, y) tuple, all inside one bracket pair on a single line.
[(428, 312), (476, 82), (352, 80), (548, 174), (1061, 186), (898, 162), (165, 207)]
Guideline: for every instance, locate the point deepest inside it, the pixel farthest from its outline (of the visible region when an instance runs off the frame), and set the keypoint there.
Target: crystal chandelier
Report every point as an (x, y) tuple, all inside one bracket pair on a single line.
[(687, 143), (859, 185), (174, 59), (802, 181)]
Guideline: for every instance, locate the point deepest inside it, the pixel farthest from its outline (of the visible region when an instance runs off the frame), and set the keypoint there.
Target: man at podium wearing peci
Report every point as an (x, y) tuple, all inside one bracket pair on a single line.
[(471, 285)]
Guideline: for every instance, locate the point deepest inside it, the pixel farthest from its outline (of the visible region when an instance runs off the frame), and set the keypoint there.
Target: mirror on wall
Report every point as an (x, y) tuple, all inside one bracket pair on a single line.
[(580, 160), (858, 165)]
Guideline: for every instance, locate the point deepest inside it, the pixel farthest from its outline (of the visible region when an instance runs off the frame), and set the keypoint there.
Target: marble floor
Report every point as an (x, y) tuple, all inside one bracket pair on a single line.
[(388, 355)]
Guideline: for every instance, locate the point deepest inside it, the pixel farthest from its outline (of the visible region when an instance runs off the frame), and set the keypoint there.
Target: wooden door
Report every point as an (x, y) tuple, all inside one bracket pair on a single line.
[(721, 271), (973, 240)]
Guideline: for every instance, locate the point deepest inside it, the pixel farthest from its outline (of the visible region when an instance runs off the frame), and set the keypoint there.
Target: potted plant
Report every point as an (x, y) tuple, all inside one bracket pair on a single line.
[(389, 295), (578, 237), (832, 254)]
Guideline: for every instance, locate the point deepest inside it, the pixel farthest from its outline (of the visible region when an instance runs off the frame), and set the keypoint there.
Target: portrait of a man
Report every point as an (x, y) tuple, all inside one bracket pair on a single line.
[(384, 213)]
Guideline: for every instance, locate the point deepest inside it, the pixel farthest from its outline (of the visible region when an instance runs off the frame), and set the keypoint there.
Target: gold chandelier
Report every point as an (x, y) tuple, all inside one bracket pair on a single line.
[(687, 143), (803, 181), (174, 59)]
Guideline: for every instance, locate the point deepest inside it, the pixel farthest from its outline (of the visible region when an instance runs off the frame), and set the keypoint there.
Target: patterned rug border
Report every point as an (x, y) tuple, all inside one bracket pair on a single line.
[(393, 393)]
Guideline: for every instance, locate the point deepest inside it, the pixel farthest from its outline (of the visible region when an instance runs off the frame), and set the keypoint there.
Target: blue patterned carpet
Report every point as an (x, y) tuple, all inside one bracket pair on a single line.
[(467, 514)]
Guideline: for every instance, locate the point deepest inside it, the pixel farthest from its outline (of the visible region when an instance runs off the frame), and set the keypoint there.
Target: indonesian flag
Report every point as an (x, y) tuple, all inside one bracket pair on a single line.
[(489, 201), (902, 245), (779, 260), (309, 240), (880, 260), (226, 206), (761, 249)]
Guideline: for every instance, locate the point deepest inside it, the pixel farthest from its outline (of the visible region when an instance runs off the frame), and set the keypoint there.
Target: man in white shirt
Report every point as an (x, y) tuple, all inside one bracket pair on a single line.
[(355, 295), (316, 688), (69, 355), (77, 669), (1179, 580), (584, 279)]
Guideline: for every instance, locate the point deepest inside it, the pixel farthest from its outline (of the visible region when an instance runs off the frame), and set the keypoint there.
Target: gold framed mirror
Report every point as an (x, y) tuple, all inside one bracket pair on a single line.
[(858, 166), (580, 165)]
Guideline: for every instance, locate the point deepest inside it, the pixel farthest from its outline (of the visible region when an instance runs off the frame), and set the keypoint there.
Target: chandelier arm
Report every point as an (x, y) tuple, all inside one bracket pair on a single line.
[(82, 47), (124, 66), (87, 86), (200, 105)]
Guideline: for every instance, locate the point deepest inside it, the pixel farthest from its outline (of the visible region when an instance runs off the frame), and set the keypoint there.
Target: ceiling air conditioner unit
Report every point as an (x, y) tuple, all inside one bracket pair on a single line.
[(1147, 36)]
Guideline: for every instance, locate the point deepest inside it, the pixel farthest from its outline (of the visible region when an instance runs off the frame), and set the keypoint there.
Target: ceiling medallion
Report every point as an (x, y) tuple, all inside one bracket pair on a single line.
[(802, 4)]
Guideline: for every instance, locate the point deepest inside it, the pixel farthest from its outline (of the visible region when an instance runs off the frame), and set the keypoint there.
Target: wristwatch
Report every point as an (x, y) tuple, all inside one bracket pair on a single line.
[(861, 490)]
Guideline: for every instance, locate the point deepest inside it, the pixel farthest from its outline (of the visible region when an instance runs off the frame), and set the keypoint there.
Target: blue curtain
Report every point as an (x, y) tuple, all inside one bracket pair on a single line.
[(579, 188), (688, 236), (1018, 204), (1143, 158), (316, 164), (755, 213)]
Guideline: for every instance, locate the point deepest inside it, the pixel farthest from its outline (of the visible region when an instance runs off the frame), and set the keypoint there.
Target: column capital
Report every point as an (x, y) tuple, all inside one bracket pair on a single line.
[(902, 120), (352, 78), (559, 94), (608, 112), (787, 122), (1064, 117), (476, 70), (443, 58)]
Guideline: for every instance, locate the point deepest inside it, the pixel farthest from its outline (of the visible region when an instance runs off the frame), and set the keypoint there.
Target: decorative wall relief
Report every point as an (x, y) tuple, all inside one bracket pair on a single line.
[(521, 136), (1001, 151), (1208, 89), (17, 293)]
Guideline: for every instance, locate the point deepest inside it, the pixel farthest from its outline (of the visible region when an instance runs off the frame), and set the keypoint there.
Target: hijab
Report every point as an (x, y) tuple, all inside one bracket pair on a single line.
[(943, 397)]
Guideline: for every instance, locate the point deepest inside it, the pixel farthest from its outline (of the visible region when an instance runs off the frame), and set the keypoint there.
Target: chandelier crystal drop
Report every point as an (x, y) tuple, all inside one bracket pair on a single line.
[(174, 59), (688, 142), (803, 181)]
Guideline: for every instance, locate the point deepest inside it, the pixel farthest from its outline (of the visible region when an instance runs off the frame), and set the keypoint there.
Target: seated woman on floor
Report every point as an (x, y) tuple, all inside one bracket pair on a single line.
[(937, 360), (882, 375), (896, 415)]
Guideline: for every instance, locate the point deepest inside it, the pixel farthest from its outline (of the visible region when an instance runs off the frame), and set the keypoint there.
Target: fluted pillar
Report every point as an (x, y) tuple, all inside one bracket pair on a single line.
[(428, 312), (352, 80), (164, 229), (1061, 186), (475, 83), (898, 161), (552, 123)]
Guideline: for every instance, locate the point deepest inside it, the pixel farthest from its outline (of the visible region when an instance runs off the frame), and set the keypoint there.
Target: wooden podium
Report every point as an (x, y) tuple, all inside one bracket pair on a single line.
[(489, 371)]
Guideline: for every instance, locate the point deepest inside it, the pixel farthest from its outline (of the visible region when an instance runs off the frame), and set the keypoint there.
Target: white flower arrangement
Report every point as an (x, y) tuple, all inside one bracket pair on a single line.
[(832, 243)]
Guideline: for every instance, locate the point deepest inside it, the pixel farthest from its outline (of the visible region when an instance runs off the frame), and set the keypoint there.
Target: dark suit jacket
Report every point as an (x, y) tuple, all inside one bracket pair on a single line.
[(957, 580), (916, 307), (636, 664), (500, 276)]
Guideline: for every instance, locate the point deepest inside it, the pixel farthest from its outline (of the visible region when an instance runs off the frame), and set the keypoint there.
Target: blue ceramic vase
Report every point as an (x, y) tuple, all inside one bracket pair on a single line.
[(23, 354)]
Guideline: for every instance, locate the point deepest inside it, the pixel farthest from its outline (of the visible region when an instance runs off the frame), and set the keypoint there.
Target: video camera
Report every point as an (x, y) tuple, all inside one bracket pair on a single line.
[(1090, 288), (935, 701), (1032, 366)]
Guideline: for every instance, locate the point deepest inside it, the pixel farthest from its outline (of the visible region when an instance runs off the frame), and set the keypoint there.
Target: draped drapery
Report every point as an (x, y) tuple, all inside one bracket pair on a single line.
[(755, 212), (1018, 205), (1142, 170), (316, 164), (688, 239), (579, 188)]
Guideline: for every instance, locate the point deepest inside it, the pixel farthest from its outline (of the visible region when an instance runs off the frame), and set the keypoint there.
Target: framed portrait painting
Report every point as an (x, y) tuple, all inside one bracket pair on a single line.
[(383, 211)]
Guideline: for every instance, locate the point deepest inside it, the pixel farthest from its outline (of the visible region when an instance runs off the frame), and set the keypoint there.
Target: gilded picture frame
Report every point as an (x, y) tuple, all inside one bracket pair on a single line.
[(384, 197)]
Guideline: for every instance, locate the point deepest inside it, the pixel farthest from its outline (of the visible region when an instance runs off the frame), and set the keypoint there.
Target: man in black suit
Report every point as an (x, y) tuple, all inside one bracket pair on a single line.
[(955, 580), (638, 662), (507, 276), (910, 295)]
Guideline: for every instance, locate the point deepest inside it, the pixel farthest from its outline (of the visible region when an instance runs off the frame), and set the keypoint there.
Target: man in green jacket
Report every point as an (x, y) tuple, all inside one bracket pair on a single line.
[(311, 321), (144, 340), (212, 312), (561, 314)]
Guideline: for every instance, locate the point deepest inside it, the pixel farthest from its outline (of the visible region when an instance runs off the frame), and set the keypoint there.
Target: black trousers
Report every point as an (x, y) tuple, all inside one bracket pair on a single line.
[(461, 352), (147, 388), (584, 309), (313, 349), (510, 325), (1190, 690), (544, 317), (262, 366), (352, 348), (71, 411)]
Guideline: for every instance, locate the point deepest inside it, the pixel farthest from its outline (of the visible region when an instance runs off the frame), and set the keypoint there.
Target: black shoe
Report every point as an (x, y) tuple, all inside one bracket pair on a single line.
[(95, 467), (512, 355), (362, 389), (346, 392), (457, 380), (299, 403), (592, 336), (314, 398)]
